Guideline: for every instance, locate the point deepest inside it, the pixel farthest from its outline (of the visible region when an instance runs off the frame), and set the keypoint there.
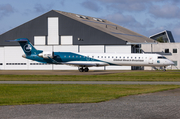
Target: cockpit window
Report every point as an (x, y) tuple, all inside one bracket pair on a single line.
[(161, 57)]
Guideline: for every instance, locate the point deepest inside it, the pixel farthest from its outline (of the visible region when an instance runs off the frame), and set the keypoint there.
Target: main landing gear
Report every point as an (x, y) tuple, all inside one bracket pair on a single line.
[(86, 69)]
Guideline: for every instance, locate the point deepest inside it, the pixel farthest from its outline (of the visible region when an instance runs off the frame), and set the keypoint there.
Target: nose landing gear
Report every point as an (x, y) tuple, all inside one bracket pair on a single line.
[(86, 69), (164, 68)]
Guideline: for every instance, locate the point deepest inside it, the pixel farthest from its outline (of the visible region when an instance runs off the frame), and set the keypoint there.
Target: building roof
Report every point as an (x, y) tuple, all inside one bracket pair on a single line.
[(166, 35), (109, 28), (93, 31)]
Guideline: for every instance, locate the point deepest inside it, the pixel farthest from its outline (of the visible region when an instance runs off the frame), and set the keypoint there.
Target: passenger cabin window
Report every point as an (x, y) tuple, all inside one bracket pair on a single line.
[(174, 50), (166, 51)]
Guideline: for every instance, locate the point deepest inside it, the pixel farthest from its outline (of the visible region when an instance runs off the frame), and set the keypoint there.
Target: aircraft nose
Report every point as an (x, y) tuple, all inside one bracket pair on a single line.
[(171, 63)]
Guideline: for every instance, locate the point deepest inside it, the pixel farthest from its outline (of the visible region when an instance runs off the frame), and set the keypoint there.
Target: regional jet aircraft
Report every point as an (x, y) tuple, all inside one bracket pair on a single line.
[(85, 60)]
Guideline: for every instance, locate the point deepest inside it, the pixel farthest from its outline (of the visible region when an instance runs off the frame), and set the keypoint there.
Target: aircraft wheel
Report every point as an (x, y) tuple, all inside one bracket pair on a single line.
[(164, 68), (81, 69), (86, 69)]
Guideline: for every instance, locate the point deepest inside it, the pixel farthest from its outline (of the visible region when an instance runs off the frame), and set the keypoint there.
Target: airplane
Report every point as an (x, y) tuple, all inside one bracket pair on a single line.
[(85, 60)]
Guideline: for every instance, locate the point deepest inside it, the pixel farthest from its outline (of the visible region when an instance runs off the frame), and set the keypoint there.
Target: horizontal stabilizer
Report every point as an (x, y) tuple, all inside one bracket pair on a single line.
[(18, 40)]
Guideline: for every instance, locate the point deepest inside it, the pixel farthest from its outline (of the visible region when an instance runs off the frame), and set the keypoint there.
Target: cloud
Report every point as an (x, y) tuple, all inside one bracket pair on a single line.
[(91, 6), (41, 9), (169, 11), (134, 5), (127, 5), (6, 10), (176, 32), (148, 23), (62, 3), (129, 21)]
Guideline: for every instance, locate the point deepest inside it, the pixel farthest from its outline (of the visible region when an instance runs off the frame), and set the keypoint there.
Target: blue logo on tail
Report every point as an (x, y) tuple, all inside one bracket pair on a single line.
[(27, 48)]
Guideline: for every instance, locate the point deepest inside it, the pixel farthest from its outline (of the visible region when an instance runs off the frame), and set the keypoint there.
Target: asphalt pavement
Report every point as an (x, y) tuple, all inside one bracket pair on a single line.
[(160, 105)]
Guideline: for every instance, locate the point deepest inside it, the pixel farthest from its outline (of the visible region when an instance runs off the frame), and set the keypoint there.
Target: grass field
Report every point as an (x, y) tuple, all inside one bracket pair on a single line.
[(18, 94), (124, 76), (44, 94)]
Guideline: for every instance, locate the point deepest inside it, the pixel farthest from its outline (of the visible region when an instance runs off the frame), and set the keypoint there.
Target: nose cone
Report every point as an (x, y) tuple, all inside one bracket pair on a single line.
[(24, 56), (171, 63)]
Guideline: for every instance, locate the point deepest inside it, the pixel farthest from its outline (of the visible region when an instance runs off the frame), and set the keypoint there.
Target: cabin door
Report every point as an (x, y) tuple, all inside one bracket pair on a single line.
[(150, 60)]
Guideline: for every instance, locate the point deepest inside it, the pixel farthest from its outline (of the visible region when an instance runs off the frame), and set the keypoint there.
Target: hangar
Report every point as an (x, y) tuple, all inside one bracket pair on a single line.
[(68, 32)]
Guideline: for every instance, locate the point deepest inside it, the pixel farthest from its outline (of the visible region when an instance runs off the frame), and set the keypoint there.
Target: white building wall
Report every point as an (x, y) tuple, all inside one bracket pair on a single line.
[(118, 49), (2, 58), (13, 58)]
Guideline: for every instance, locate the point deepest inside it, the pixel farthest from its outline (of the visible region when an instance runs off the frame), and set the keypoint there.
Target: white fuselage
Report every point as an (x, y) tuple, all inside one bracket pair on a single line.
[(135, 59)]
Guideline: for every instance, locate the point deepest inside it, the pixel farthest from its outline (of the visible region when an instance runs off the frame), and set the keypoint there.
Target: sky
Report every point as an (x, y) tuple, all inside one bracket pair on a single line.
[(146, 17)]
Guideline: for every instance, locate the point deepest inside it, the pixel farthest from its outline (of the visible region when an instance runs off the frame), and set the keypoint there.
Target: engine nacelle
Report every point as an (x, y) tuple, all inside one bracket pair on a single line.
[(46, 55)]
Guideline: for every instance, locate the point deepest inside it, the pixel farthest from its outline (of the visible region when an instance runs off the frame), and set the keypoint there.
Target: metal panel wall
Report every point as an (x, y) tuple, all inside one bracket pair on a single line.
[(2, 58), (66, 40), (118, 49), (33, 65), (14, 59), (73, 48), (39, 40), (53, 30)]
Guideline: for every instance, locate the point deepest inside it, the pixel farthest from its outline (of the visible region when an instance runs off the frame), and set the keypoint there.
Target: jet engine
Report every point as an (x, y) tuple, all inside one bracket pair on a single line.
[(46, 55)]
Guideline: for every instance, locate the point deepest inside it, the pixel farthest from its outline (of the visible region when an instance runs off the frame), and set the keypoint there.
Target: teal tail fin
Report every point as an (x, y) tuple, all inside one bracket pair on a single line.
[(27, 47)]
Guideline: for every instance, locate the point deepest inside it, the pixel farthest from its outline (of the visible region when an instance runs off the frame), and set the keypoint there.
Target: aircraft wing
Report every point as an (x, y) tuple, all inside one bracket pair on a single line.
[(85, 63)]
